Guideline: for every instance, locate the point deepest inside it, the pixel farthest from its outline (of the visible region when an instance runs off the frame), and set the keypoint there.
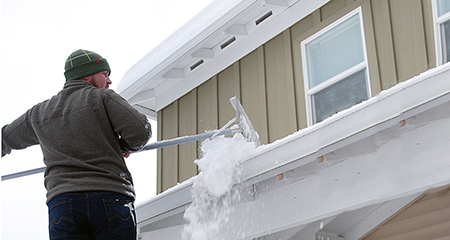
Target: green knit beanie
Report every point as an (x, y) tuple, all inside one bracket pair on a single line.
[(82, 63)]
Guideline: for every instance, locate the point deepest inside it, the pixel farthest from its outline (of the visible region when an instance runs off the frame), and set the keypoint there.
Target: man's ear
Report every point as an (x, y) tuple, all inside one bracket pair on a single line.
[(86, 79)]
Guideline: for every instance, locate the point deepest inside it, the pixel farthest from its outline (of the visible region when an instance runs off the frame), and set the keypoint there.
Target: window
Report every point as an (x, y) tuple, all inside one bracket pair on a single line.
[(441, 10), (335, 68)]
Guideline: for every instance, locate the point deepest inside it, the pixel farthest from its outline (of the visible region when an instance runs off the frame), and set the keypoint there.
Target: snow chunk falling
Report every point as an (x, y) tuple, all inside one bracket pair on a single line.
[(212, 190)]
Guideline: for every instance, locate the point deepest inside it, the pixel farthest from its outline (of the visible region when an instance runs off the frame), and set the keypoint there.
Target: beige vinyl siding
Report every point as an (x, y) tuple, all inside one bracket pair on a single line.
[(228, 83), (159, 166), (253, 91), (399, 39), (404, 39), (281, 112), (187, 124), (426, 218), (408, 38), (169, 155), (207, 106)]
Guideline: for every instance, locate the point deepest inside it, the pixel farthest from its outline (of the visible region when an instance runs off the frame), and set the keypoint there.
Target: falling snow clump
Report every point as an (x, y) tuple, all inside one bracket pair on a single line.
[(212, 190)]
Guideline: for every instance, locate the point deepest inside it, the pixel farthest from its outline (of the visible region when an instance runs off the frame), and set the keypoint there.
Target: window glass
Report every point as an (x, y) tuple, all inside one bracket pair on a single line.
[(443, 7), (334, 51), (336, 75), (445, 33), (340, 96)]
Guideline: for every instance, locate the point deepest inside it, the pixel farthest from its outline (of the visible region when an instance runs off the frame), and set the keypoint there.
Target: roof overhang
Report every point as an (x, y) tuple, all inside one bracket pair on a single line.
[(364, 163), (221, 34)]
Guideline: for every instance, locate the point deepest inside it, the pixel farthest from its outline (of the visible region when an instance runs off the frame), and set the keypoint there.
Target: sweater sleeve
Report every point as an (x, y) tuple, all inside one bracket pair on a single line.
[(18, 135), (132, 126)]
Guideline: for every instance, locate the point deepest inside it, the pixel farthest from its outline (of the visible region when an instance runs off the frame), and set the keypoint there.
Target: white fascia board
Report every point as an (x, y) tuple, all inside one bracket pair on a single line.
[(170, 233), (360, 174), (148, 72), (170, 200)]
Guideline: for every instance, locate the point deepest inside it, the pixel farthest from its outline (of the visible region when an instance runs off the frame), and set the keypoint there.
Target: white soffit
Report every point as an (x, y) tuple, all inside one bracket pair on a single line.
[(393, 146), (218, 36)]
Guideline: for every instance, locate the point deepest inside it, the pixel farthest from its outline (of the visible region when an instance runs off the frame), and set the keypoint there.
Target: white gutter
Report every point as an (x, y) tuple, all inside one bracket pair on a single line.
[(407, 99)]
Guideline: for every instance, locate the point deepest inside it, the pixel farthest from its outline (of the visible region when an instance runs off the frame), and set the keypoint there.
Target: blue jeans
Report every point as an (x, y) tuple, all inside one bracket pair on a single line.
[(92, 215)]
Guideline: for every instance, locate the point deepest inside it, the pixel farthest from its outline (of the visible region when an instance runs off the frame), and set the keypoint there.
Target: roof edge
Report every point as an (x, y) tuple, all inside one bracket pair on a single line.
[(409, 98)]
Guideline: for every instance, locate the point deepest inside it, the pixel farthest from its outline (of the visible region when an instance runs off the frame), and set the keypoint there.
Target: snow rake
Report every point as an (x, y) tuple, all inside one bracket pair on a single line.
[(242, 125)]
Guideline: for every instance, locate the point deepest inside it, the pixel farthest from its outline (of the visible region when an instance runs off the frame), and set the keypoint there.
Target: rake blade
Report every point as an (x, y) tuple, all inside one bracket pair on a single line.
[(244, 123)]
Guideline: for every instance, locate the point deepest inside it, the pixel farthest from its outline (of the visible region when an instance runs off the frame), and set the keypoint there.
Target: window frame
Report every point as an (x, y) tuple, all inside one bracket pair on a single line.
[(438, 21), (341, 76)]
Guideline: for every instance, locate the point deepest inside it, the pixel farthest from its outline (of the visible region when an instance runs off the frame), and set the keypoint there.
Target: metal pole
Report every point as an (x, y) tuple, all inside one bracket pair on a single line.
[(154, 145), (23, 174), (185, 139)]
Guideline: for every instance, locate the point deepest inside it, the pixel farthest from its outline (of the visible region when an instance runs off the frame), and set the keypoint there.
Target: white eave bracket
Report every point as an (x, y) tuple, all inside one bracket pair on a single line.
[(277, 3), (175, 73)]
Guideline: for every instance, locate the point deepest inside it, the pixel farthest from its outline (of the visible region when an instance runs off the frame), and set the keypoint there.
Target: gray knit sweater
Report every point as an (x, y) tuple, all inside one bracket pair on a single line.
[(82, 131)]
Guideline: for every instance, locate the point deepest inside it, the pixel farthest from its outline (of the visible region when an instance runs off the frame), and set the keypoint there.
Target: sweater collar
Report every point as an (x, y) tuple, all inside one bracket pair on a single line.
[(73, 83)]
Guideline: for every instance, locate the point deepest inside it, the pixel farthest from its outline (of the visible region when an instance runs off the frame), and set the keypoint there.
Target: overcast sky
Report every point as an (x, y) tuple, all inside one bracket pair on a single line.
[(36, 38)]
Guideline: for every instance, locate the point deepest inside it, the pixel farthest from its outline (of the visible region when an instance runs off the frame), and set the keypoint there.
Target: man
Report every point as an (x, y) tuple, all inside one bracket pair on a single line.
[(84, 132)]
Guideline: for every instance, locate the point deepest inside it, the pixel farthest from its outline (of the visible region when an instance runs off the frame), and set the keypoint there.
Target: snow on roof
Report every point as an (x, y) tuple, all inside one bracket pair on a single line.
[(394, 140)]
